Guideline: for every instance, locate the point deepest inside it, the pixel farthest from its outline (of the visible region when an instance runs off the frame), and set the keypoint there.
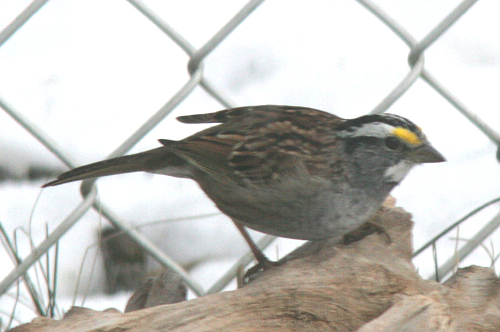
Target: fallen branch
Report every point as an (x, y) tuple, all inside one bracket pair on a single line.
[(368, 284)]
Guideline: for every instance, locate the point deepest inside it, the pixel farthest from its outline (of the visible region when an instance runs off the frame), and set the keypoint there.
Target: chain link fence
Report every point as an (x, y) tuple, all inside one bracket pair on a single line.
[(198, 78)]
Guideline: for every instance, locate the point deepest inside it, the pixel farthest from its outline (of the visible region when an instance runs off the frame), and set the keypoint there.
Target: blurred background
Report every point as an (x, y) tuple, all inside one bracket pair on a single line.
[(83, 76)]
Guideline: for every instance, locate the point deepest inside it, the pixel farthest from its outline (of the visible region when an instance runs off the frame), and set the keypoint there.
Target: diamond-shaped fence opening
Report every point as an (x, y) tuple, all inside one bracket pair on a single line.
[(84, 77)]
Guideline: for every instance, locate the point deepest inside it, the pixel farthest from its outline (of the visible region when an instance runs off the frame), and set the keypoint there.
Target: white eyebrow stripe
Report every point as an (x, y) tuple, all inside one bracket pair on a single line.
[(373, 129)]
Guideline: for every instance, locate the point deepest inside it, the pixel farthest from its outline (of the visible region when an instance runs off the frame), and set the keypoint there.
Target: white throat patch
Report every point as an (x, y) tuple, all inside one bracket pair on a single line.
[(399, 171)]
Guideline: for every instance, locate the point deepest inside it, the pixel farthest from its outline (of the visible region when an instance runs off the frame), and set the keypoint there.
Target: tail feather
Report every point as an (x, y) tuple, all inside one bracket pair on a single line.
[(147, 161)]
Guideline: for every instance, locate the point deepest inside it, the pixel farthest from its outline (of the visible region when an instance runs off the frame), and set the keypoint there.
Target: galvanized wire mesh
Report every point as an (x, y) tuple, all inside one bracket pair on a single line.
[(417, 69)]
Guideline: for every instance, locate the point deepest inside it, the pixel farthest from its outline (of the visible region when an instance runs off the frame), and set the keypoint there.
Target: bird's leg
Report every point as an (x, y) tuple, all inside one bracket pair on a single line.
[(262, 260), (263, 263)]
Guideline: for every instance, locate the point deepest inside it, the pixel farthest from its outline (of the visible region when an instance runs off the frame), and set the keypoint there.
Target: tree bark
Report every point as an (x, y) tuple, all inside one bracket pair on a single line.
[(368, 284)]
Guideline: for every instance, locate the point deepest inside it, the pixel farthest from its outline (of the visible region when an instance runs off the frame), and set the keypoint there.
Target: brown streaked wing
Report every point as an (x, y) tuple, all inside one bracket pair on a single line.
[(218, 117), (262, 144), (208, 152), (261, 112)]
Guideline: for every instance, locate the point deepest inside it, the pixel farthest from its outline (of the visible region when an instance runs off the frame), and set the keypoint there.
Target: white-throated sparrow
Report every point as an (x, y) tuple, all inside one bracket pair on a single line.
[(294, 172)]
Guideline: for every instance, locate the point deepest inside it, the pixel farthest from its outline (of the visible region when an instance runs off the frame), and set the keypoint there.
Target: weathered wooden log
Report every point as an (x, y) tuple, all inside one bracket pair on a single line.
[(368, 284)]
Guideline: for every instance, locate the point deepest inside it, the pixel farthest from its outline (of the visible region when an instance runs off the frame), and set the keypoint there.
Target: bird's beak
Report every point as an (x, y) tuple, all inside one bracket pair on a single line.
[(426, 153)]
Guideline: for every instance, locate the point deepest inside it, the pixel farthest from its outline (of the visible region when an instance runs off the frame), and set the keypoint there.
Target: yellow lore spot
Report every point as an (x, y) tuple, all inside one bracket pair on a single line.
[(407, 136)]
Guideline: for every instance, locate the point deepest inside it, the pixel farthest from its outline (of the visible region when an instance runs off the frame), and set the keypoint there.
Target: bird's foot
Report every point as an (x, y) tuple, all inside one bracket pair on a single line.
[(263, 264), (366, 229)]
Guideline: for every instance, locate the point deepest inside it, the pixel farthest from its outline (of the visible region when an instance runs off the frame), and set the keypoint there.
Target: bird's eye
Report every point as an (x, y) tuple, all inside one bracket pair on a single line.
[(392, 143)]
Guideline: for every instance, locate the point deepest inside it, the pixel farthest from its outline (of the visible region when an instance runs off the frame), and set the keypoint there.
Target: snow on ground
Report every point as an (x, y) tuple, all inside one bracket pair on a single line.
[(90, 72)]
